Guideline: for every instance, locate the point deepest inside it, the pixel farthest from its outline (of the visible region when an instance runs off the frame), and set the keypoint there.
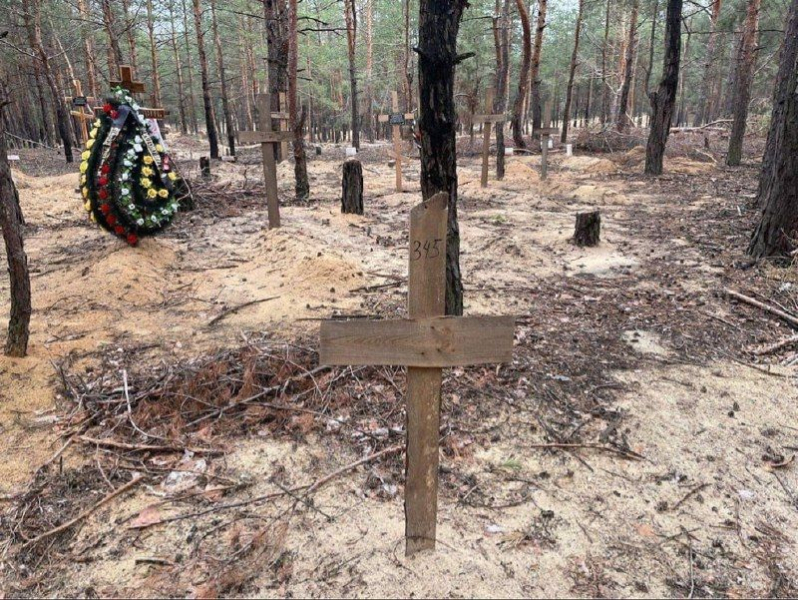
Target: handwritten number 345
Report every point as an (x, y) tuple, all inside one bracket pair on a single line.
[(429, 249)]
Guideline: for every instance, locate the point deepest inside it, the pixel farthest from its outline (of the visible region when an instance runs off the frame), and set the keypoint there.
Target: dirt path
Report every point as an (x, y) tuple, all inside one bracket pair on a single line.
[(627, 343)]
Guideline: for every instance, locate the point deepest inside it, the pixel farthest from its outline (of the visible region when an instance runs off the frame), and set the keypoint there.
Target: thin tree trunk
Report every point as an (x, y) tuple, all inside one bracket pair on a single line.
[(502, 82), (369, 71), (156, 79), (11, 226), (181, 103), (605, 86), (351, 37), (664, 100), (523, 75), (439, 23), (745, 75), (777, 231), (302, 187), (114, 51), (228, 116), (652, 42), (213, 141), (622, 119), (130, 28), (192, 104), (537, 112), (88, 48), (572, 72), (705, 113), (277, 42), (408, 78), (682, 118)]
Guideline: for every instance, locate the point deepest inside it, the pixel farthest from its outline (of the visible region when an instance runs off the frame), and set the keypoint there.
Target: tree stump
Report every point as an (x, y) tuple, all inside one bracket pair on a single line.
[(205, 167), (588, 229), (352, 188)]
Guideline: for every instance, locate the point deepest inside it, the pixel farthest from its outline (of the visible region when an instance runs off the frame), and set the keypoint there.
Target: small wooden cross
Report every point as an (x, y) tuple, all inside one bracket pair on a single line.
[(284, 117), (488, 119), (266, 138), (426, 343), (396, 119), (82, 112), (134, 87), (545, 132)]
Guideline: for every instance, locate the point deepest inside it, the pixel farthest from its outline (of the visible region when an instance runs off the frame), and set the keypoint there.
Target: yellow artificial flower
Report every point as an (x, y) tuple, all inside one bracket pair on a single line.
[(158, 148), (85, 191), (152, 193), (164, 193), (92, 217), (146, 171), (173, 176), (85, 155), (87, 206), (89, 143), (84, 166), (146, 183), (93, 133), (82, 179), (148, 160)]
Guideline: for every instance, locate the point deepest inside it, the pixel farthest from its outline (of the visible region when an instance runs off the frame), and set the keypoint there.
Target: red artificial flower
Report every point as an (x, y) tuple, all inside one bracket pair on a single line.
[(132, 239), (103, 193), (105, 169), (105, 208), (119, 230), (114, 114), (103, 180), (107, 108), (111, 220)]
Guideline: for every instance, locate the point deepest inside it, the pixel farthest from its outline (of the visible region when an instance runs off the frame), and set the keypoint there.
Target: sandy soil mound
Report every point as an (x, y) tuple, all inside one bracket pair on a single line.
[(588, 164)]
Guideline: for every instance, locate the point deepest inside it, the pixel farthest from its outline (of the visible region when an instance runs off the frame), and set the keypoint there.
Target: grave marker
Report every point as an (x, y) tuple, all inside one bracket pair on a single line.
[(426, 343), (396, 120), (488, 119), (266, 138), (134, 87), (83, 112), (545, 132)]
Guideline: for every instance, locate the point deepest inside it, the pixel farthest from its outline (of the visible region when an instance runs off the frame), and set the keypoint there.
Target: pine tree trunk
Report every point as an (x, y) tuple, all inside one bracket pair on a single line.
[(523, 75), (213, 141), (156, 79), (537, 110), (710, 71), (351, 37), (605, 86), (651, 44), (439, 23), (572, 72), (277, 42), (181, 104), (192, 104), (114, 51), (88, 48), (226, 112), (664, 100), (777, 231), (369, 119), (502, 83), (11, 226), (301, 185), (745, 75), (622, 119), (130, 28)]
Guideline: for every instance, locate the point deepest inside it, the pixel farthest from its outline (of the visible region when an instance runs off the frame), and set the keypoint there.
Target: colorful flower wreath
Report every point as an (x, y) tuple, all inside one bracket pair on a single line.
[(128, 182)]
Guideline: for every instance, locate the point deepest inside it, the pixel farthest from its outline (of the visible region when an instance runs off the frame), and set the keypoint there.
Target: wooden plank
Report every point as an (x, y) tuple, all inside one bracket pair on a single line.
[(545, 131), (490, 118), (435, 342), (426, 298), (382, 118), (410, 116), (284, 127), (263, 137), (486, 138), (397, 142), (269, 164), (281, 115)]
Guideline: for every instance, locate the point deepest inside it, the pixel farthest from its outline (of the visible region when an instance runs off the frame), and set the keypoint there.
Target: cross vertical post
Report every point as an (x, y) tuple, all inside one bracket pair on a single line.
[(488, 119), (396, 120), (545, 132), (283, 117)]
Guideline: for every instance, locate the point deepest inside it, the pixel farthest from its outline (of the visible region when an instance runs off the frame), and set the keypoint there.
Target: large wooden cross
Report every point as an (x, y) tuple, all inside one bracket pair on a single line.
[(425, 343), (488, 119), (81, 108), (396, 120), (267, 138), (545, 132), (134, 87)]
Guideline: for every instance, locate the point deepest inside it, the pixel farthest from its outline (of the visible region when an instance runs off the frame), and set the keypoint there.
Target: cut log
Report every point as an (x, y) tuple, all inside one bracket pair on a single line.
[(205, 167), (352, 188), (588, 229)]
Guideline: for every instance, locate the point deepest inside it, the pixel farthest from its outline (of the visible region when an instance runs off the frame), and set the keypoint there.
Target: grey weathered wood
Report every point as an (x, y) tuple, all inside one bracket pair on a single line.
[(488, 120), (266, 138)]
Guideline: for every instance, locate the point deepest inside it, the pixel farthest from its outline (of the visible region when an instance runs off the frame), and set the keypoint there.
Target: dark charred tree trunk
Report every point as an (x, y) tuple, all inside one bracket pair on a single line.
[(352, 188), (11, 225), (277, 42), (226, 112), (745, 75), (351, 37), (523, 75), (663, 100), (502, 83), (622, 118), (777, 232), (439, 23), (301, 184), (213, 140), (571, 74), (587, 231), (537, 109)]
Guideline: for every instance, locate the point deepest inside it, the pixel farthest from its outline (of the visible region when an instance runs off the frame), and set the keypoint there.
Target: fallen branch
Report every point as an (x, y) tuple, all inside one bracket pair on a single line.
[(235, 309), (611, 449), (148, 447), (371, 457), (85, 513), (776, 346), (791, 319)]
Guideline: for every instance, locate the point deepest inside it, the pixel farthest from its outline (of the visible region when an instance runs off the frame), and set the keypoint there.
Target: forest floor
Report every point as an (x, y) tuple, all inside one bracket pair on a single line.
[(640, 444)]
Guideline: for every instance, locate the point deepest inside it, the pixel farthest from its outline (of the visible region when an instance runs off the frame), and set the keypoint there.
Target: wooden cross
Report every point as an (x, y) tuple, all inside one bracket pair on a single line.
[(545, 132), (134, 87), (82, 112), (425, 343), (283, 116), (396, 119), (488, 119), (266, 138)]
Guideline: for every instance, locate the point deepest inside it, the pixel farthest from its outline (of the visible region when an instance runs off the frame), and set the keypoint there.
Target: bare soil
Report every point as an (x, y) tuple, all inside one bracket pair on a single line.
[(640, 444)]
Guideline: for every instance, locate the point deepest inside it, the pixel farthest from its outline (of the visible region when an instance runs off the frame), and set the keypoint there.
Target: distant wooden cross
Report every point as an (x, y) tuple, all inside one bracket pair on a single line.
[(488, 119), (396, 120), (81, 109), (284, 117), (134, 87), (267, 138), (545, 132), (426, 343)]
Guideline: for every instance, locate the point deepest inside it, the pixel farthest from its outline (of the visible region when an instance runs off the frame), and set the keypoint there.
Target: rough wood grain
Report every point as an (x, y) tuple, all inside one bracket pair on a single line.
[(263, 137)]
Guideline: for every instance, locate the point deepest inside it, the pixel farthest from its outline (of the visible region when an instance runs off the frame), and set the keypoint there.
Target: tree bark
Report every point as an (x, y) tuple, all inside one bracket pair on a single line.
[(622, 118), (88, 48), (277, 43), (587, 231), (605, 86), (352, 187), (156, 79), (226, 112), (523, 75), (129, 29), (705, 113), (652, 41), (178, 70), (664, 100), (301, 184), (351, 37), (192, 105), (213, 141), (439, 23), (572, 73), (537, 109), (745, 75), (114, 51), (11, 226), (502, 83), (777, 231)]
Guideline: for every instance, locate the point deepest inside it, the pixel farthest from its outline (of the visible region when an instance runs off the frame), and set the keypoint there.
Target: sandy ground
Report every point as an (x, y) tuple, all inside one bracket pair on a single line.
[(702, 515)]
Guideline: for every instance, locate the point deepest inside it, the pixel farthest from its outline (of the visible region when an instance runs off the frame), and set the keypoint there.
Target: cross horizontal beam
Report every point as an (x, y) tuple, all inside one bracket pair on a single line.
[(432, 342), (264, 137), (546, 131), (489, 118)]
